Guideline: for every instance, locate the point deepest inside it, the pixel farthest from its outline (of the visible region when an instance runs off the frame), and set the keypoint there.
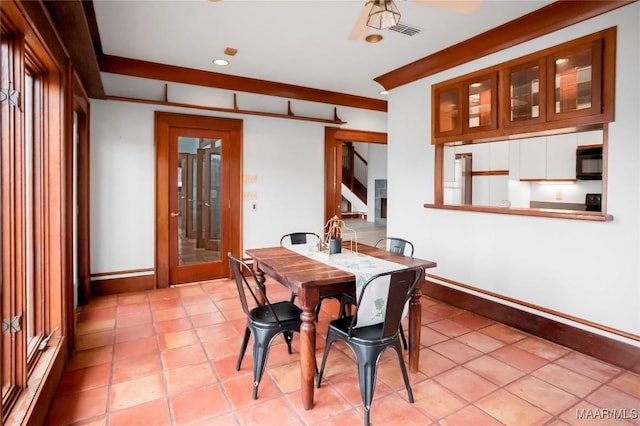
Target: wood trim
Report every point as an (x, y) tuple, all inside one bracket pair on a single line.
[(82, 108), (491, 173), (606, 349), (156, 71), (545, 20), (74, 31), (32, 407), (122, 285), (334, 138), (569, 214), (129, 271), (290, 115)]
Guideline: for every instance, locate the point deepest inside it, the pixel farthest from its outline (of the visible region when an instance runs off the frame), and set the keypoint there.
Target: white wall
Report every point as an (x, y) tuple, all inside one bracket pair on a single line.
[(286, 156), (590, 270)]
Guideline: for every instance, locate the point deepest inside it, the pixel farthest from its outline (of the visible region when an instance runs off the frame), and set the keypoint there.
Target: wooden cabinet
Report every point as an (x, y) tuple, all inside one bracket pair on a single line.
[(566, 86), (480, 103), (465, 106), (575, 81), (446, 120), (524, 93)]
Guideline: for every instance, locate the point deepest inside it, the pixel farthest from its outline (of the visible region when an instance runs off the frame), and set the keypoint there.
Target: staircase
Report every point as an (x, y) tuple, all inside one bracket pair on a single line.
[(354, 177)]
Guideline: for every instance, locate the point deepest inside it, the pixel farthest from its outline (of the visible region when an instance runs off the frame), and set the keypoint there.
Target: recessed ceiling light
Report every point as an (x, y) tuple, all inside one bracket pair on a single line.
[(373, 38), (221, 62), (384, 92)]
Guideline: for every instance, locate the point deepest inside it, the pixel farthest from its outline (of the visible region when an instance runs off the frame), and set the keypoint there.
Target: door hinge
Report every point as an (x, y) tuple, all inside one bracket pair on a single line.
[(12, 97), (12, 325)]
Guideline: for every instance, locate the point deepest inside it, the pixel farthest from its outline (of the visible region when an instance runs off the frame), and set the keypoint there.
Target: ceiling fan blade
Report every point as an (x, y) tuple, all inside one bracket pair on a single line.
[(360, 29), (459, 6)]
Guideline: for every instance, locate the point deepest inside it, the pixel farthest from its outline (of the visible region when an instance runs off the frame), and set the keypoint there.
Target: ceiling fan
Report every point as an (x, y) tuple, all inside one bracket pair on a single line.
[(387, 15)]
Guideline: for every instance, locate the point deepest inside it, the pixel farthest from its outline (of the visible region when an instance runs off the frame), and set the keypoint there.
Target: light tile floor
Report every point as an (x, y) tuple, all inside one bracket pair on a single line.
[(167, 357)]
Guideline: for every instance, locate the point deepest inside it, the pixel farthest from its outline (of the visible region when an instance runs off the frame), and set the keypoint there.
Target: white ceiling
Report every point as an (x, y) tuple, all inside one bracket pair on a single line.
[(300, 42)]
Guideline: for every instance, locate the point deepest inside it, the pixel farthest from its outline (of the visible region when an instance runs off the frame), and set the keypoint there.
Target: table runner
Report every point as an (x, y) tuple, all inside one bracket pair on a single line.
[(363, 267)]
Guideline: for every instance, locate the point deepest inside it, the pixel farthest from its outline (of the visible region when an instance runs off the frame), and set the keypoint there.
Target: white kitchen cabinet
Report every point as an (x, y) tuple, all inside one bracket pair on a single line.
[(593, 137), (533, 158), (449, 164), (490, 190), (561, 156), (481, 157), (499, 155), (548, 157)]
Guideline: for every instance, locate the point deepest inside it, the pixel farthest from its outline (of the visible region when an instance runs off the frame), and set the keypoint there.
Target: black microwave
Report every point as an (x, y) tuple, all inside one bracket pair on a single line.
[(589, 163)]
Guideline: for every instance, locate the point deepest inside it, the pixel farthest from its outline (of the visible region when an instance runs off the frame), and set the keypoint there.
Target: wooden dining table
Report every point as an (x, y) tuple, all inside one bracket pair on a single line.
[(311, 279)]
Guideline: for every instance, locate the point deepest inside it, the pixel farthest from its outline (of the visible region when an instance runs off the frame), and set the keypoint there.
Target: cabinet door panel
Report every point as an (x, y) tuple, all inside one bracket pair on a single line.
[(524, 86), (446, 117), (480, 103), (561, 156), (533, 158), (575, 82)]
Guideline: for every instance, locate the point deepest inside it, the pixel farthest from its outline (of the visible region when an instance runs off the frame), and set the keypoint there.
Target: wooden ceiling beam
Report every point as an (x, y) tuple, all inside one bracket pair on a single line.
[(163, 72), (545, 20), (72, 25)]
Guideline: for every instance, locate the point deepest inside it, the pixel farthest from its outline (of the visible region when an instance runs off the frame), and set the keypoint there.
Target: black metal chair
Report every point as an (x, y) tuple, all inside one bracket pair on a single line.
[(395, 245), (264, 321), (304, 238), (300, 238), (369, 341)]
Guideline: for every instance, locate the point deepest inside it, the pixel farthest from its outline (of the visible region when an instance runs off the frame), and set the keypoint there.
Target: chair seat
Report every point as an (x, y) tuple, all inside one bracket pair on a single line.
[(285, 311), (362, 335)]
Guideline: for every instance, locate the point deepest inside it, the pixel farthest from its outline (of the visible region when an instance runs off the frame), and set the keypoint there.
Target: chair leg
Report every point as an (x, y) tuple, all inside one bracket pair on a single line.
[(327, 346), (405, 376), (243, 348), (293, 297), (404, 339), (288, 338), (261, 343), (367, 369)]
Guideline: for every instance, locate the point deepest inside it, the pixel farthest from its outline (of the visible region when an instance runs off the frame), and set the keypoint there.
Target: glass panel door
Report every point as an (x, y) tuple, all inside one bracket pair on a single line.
[(199, 178), (197, 197)]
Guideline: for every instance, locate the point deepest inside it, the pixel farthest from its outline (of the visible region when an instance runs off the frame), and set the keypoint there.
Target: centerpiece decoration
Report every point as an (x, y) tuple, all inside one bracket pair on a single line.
[(333, 233)]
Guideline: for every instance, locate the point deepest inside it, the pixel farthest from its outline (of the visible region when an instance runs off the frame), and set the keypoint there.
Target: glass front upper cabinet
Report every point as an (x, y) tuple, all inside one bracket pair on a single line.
[(480, 95), (447, 120), (575, 76), (525, 85)]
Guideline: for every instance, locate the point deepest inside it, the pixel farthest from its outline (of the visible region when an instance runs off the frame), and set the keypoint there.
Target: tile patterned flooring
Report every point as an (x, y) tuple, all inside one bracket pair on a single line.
[(167, 357)]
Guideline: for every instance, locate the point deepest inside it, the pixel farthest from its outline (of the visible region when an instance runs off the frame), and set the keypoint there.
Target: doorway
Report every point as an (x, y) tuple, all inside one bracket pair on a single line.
[(198, 198), (334, 140)]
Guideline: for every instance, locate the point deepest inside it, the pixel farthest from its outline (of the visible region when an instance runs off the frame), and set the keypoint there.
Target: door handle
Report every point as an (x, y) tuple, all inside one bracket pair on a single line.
[(174, 214)]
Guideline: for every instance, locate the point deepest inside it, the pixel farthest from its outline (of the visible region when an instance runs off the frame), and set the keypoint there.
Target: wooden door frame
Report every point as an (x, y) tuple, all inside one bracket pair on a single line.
[(82, 107), (334, 138), (164, 121)]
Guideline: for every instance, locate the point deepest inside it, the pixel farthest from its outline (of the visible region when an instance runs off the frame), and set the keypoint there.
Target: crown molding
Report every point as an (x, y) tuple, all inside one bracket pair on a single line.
[(545, 20)]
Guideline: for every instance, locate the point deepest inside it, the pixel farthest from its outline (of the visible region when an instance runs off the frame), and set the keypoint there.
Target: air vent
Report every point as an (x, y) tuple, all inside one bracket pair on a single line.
[(405, 29)]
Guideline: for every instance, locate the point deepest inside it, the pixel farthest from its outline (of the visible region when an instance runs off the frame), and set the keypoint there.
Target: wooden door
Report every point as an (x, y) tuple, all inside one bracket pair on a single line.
[(198, 167)]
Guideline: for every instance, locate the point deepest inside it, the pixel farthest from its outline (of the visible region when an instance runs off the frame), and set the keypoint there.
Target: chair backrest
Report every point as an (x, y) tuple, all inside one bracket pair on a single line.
[(397, 245), (300, 238), (240, 273), (395, 287)]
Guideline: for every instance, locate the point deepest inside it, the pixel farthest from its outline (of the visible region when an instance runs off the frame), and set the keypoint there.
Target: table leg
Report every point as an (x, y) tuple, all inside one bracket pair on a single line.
[(415, 326), (261, 280), (307, 356)]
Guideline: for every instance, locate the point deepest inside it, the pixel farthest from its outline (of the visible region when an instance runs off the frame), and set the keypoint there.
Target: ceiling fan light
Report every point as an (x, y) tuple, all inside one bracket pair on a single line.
[(383, 14)]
